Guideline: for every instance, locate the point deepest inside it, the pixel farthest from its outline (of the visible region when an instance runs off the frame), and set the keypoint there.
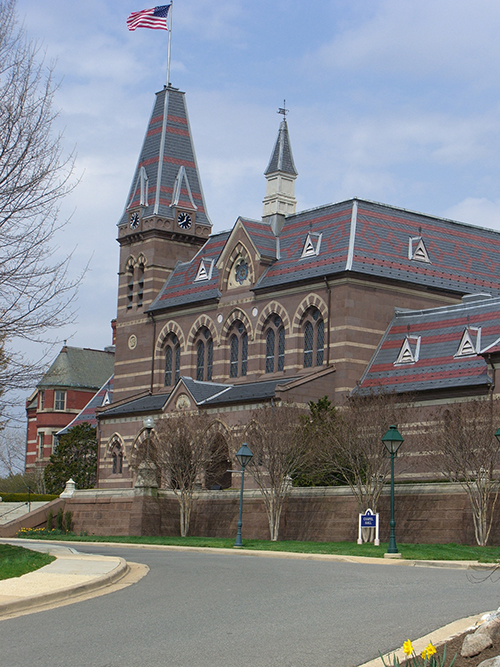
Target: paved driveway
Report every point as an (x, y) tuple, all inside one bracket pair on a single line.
[(211, 610)]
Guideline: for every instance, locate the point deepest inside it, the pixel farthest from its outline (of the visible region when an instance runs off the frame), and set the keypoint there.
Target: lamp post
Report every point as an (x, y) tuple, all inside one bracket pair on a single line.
[(244, 456), (146, 470), (149, 424), (392, 441)]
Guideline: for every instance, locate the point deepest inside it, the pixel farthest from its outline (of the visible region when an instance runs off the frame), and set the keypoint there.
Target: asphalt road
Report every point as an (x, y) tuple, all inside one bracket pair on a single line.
[(210, 610)]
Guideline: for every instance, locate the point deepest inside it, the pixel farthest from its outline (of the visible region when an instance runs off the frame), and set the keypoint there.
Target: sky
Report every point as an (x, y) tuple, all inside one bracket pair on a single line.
[(394, 101)]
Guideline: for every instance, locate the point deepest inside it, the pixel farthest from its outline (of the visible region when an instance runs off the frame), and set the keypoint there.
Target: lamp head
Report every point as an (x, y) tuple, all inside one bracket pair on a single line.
[(244, 455), (149, 423), (392, 440)]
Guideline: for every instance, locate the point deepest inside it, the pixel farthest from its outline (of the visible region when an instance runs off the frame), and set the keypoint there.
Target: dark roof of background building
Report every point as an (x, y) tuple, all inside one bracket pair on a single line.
[(88, 415), (204, 393), (79, 368), (142, 404), (439, 334), (360, 237), (177, 151)]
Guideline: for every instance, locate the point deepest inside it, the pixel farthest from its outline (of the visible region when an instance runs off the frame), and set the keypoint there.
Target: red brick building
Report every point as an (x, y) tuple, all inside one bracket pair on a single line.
[(67, 387)]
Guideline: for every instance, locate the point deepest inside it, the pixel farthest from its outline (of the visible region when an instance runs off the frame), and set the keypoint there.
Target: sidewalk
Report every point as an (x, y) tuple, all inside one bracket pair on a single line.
[(70, 575)]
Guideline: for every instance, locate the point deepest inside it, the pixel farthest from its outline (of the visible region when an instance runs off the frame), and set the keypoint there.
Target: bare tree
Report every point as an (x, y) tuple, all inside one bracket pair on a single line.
[(12, 451), (35, 291), (462, 446), (275, 438), (185, 448), (347, 441)]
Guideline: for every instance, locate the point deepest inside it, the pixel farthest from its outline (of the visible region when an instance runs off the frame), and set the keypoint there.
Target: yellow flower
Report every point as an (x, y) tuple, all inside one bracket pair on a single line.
[(408, 647), (429, 651)]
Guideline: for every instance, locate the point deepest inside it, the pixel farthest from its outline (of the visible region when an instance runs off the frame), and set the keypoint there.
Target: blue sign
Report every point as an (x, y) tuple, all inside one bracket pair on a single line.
[(368, 521)]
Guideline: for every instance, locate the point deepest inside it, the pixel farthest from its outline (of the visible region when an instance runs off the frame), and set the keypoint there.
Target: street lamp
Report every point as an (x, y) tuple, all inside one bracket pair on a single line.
[(149, 424), (244, 456), (392, 441)]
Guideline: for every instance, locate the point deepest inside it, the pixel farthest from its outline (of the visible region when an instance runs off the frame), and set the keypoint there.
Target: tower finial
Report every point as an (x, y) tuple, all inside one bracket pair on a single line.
[(283, 110)]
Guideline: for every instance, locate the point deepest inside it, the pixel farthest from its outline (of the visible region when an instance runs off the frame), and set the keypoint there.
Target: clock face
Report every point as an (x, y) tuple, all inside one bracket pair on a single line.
[(184, 220), (134, 220)]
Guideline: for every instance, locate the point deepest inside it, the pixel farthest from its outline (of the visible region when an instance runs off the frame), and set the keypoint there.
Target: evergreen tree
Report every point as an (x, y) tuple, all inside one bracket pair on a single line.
[(75, 456)]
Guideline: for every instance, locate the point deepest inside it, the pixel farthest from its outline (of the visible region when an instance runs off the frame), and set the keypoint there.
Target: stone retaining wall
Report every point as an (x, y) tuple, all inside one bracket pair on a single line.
[(427, 513)]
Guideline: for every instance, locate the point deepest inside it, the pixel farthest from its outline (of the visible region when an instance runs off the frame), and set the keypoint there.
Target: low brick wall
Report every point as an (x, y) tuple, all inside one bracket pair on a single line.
[(426, 513)]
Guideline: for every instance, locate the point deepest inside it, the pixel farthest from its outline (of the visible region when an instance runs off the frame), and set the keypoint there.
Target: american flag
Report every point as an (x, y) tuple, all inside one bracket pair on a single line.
[(155, 18)]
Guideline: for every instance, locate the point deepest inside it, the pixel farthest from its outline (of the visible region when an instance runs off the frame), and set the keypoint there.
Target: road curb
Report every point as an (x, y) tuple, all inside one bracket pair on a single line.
[(368, 560), (437, 637), (44, 599)]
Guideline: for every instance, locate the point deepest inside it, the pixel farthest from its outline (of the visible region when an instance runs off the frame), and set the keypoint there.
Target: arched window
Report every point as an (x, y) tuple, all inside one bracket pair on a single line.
[(314, 338), (274, 333), (238, 346), (204, 347), (117, 460), (130, 286), (172, 360), (140, 285)]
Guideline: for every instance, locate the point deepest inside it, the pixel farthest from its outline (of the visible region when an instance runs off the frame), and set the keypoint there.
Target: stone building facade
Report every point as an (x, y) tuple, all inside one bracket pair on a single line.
[(290, 307)]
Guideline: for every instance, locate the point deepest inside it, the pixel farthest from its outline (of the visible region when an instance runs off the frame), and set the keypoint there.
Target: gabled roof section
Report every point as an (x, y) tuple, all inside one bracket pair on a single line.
[(441, 333), (88, 415), (205, 394), (167, 174), (79, 368), (182, 288), (139, 405), (372, 239), (281, 157), (259, 235)]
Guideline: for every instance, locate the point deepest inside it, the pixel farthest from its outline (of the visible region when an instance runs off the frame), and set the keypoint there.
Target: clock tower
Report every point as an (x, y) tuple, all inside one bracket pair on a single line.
[(164, 222)]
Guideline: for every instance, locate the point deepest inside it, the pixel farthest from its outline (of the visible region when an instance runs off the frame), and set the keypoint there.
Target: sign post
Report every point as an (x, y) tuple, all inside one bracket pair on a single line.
[(368, 520)]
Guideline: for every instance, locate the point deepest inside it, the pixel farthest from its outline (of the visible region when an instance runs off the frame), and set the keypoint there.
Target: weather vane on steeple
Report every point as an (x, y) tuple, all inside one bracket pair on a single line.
[(283, 110)]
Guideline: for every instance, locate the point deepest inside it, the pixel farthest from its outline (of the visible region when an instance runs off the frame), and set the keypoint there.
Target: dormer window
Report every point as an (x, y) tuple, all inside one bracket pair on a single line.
[(417, 250), (409, 352), (470, 343), (204, 272), (312, 245)]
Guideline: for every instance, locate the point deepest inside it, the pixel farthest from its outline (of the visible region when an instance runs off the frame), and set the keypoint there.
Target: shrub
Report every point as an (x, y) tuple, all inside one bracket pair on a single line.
[(60, 519), (50, 516), (68, 518)]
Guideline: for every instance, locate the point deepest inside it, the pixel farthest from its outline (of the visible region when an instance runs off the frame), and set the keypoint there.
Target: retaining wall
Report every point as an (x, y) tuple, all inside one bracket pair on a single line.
[(426, 513)]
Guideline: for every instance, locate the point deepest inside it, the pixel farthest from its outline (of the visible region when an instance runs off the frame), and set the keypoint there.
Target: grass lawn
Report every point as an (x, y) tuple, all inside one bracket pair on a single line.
[(15, 561), (408, 551)]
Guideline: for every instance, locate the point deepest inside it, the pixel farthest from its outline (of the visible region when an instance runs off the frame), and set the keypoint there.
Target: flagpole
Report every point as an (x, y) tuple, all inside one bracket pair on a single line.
[(169, 42)]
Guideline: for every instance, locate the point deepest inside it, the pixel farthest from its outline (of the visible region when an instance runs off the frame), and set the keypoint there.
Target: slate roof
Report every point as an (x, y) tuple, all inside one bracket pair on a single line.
[(204, 393), (142, 404), (359, 237), (281, 157), (177, 151), (81, 368), (88, 414), (181, 287), (441, 331), (208, 393)]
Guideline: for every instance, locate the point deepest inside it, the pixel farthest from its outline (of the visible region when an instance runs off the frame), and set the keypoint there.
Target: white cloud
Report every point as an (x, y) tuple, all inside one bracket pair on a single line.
[(429, 38), (477, 211)]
